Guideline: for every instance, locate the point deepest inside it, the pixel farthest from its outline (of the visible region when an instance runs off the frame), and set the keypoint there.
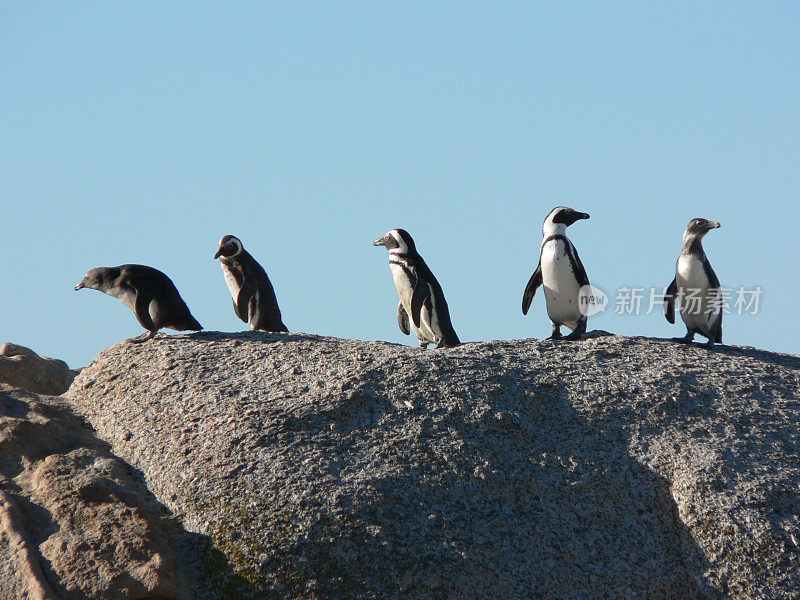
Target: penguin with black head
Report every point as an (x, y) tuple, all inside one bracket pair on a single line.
[(562, 274)]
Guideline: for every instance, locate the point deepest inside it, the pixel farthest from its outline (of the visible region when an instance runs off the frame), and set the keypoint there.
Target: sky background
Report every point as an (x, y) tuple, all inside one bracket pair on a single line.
[(143, 132)]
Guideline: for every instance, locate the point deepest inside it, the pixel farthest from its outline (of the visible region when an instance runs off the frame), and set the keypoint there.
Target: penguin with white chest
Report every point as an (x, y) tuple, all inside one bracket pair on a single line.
[(562, 274), (253, 296), (422, 308), (148, 292), (697, 286)]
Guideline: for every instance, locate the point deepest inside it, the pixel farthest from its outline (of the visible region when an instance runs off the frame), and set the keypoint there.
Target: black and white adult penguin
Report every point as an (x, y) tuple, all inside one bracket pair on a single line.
[(148, 292), (254, 300), (561, 272), (422, 308), (697, 286)]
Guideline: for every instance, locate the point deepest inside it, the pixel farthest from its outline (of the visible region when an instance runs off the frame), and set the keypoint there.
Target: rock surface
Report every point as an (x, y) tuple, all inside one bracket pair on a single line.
[(75, 523), (325, 468), (23, 368)]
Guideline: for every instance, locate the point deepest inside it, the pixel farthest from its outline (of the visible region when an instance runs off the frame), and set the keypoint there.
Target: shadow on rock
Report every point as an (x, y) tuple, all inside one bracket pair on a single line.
[(252, 336)]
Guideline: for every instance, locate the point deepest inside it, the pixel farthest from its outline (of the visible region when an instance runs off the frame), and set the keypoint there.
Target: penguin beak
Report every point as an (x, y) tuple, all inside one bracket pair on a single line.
[(222, 249), (713, 225), (379, 242), (80, 286), (582, 215)]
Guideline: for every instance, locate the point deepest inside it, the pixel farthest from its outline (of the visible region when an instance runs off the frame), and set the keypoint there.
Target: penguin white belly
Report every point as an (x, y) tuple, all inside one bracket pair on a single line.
[(403, 285), (561, 288), (405, 291), (230, 280), (700, 304), (125, 295)]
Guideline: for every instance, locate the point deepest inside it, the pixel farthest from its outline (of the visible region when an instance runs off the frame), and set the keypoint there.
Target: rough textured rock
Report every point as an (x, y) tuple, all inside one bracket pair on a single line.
[(75, 523), (23, 368), (325, 468)]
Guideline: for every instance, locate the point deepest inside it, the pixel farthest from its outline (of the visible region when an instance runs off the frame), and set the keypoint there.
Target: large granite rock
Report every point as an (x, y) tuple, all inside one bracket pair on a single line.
[(75, 523), (326, 468), (23, 368)]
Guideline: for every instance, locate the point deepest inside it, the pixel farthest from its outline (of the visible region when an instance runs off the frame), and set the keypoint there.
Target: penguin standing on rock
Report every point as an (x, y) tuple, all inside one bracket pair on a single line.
[(254, 300), (561, 272), (697, 286), (148, 292), (422, 308)]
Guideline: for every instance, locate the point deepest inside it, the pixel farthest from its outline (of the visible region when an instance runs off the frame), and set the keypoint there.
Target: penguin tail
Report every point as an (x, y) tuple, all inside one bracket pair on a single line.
[(450, 341), (191, 324), (277, 325)]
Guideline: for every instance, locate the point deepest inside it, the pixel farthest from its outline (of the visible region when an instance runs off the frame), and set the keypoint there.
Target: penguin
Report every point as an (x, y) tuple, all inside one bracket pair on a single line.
[(697, 286), (253, 297), (422, 308), (561, 272), (148, 292)]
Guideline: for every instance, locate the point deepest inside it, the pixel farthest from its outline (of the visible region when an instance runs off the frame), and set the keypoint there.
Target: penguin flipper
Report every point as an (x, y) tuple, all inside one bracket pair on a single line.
[(242, 305), (236, 309), (253, 313), (530, 290), (422, 291), (578, 268), (141, 308), (402, 319), (669, 301)]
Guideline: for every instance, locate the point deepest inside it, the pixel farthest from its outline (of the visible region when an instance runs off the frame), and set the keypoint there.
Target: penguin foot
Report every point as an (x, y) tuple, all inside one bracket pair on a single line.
[(709, 343), (684, 340), (577, 332), (424, 345), (147, 335)]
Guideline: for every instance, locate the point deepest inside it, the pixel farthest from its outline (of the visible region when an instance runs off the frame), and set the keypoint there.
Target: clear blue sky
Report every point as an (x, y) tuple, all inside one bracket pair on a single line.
[(143, 132)]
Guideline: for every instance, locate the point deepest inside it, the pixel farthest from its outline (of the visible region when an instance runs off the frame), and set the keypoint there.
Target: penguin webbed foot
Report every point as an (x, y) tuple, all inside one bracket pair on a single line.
[(423, 345), (448, 344), (687, 339), (147, 335), (577, 332), (556, 335)]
